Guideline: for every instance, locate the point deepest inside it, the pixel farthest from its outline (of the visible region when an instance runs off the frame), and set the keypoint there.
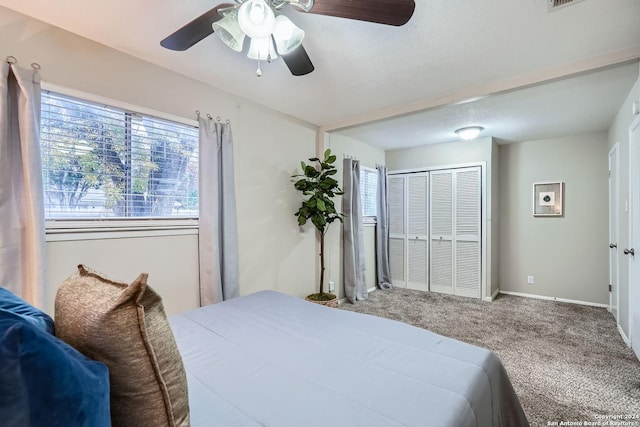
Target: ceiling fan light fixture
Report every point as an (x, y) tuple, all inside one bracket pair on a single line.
[(469, 132), (287, 35), (256, 18), (304, 5), (229, 31), (262, 50)]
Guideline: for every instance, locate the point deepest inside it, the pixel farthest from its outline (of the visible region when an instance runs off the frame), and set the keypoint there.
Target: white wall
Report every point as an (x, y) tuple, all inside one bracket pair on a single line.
[(168, 259), (456, 153), (268, 147), (566, 255), (619, 133)]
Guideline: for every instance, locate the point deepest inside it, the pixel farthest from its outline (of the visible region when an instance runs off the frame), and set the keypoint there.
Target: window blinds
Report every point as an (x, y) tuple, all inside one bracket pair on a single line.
[(368, 191), (104, 162)]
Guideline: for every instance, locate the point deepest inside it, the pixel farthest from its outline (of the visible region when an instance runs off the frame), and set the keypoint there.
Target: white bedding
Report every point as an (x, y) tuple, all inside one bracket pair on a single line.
[(268, 359)]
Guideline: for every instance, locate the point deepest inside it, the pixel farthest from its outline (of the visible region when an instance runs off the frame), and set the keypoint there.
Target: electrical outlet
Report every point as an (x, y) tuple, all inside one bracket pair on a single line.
[(530, 280), (332, 286)]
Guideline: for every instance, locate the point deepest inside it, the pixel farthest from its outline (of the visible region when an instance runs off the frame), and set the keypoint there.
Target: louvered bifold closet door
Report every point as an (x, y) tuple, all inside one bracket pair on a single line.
[(467, 233), (397, 231), (441, 260), (417, 232)]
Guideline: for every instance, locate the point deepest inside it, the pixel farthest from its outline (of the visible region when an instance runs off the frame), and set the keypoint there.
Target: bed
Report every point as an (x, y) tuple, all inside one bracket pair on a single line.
[(269, 359), (265, 359)]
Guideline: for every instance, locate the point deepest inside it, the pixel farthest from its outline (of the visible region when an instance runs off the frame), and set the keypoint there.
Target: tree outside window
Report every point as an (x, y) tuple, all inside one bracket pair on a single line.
[(100, 161)]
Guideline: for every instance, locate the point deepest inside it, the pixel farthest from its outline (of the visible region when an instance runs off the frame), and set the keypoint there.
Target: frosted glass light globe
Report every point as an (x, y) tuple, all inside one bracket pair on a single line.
[(256, 19)]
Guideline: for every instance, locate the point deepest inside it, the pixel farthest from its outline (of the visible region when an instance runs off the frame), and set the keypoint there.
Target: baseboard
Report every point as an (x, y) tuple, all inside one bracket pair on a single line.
[(493, 296), (570, 301), (624, 337)]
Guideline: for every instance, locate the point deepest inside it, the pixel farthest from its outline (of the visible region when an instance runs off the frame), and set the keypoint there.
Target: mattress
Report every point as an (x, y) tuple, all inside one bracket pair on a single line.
[(269, 359)]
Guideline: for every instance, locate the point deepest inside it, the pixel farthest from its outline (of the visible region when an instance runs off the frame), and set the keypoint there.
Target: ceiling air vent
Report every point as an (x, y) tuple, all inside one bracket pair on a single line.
[(558, 4)]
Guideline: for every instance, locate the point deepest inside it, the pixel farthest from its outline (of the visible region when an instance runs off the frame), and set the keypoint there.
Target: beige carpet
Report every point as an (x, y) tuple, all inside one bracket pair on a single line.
[(567, 362)]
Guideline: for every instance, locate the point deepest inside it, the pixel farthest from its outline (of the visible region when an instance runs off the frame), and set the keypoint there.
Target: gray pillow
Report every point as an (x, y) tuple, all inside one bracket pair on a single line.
[(125, 327)]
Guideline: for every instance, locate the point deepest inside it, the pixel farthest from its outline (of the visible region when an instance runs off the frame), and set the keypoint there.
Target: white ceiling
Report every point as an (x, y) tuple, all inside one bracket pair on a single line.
[(366, 71), (571, 106)]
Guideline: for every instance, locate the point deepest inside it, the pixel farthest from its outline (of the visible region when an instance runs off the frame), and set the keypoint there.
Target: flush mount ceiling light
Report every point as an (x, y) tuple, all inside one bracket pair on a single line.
[(272, 34), (470, 132)]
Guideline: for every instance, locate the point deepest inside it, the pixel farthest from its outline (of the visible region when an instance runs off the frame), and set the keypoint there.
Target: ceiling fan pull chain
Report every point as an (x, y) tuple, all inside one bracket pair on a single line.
[(259, 71)]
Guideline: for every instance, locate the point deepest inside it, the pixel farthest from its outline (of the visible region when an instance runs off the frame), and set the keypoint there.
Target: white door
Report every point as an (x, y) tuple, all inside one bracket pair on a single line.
[(634, 236), (441, 260), (397, 231), (455, 232), (614, 293), (417, 230), (467, 233)]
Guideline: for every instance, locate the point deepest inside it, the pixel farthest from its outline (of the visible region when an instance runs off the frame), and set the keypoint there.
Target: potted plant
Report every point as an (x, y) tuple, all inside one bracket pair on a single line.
[(318, 186)]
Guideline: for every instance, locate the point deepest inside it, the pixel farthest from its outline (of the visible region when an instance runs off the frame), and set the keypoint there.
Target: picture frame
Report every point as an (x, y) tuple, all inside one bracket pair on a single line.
[(548, 198)]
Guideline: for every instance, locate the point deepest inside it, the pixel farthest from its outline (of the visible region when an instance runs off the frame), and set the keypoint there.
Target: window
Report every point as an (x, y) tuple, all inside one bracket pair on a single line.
[(368, 192), (104, 162)]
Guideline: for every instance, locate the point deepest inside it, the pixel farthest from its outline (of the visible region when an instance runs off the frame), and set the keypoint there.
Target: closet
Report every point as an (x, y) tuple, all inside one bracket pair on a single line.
[(435, 230)]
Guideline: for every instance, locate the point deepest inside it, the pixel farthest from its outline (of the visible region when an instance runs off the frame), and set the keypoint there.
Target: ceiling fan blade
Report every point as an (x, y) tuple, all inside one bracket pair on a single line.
[(389, 12), (298, 62), (194, 31)]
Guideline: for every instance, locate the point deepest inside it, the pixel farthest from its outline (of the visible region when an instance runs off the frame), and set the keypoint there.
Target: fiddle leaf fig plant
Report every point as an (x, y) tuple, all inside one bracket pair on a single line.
[(319, 187)]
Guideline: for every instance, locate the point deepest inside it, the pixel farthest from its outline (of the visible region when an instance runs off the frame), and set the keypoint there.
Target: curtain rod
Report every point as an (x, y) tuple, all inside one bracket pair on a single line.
[(210, 117)]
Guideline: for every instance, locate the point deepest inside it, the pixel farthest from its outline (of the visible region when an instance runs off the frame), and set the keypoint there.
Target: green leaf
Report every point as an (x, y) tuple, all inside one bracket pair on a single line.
[(318, 187), (311, 172), (328, 183), (319, 221)]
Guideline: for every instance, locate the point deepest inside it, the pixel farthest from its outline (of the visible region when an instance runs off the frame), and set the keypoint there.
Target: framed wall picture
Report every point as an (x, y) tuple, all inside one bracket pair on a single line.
[(548, 199)]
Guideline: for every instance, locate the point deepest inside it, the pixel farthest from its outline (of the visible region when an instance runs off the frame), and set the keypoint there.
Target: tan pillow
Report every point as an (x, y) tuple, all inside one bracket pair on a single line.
[(125, 327)]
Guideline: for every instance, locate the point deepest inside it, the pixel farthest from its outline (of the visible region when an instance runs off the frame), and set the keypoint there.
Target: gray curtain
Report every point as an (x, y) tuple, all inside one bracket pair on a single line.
[(352, 242), (218, 236), (21, 194), (383, 271)]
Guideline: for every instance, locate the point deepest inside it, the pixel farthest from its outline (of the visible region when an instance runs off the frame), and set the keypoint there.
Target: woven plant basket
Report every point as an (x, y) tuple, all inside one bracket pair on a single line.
[(329, 303)]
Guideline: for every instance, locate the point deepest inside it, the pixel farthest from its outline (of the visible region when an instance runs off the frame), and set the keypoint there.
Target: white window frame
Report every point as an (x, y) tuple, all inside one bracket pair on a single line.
[(105, 228), (368, 219)]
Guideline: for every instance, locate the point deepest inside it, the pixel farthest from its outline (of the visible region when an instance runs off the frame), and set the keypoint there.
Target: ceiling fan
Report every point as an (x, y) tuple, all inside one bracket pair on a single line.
[(272, 33)]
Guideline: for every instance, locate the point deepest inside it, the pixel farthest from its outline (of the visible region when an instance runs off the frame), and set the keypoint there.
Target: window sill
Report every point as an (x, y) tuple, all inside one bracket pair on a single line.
[(71, 230)]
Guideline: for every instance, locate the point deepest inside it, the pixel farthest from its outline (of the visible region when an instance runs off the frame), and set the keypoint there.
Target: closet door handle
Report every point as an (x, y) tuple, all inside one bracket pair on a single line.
[(630, 251), (613, 245)]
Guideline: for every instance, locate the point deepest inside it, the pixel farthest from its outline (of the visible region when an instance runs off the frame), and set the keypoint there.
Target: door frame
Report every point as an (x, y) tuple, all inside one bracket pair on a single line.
[(614, 231), (634, 210)]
